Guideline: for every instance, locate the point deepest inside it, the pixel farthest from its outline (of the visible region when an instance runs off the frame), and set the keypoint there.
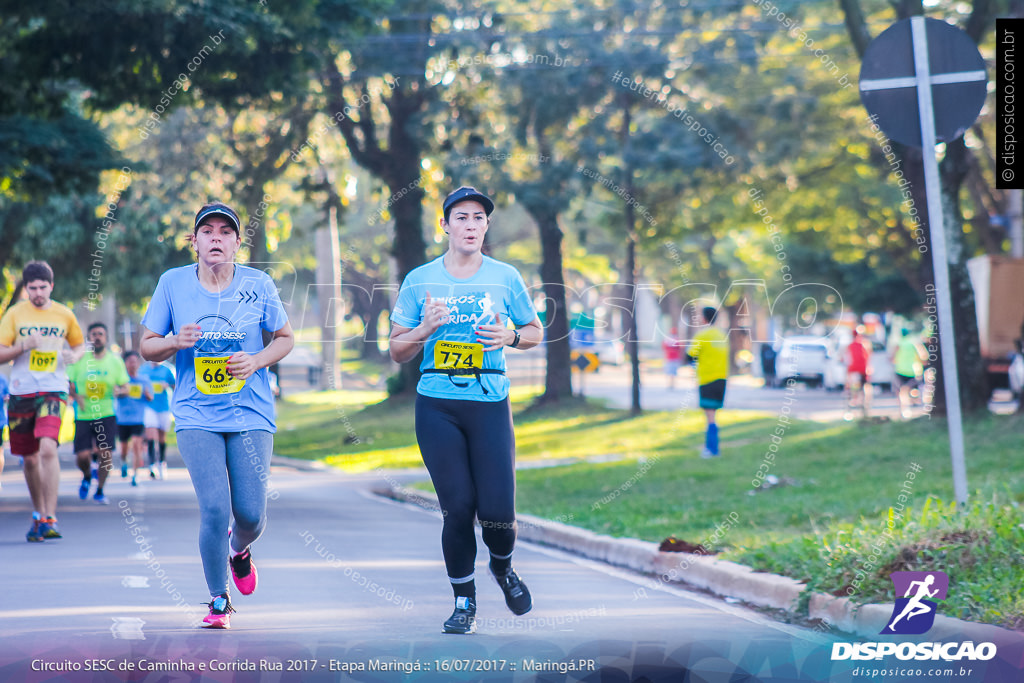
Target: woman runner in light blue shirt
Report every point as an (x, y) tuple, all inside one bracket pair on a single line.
[(455, 308), (210, 317)]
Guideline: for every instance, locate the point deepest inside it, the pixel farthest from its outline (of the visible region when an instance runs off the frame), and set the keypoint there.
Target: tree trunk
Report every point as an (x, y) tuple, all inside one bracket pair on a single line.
[(558, 377), (974, 386), (409, 248), (328, 275), (632, 338)]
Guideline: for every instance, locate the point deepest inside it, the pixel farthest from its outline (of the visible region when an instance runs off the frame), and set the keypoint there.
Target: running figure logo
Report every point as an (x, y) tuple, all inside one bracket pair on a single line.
[(914, 613), (487, 305)]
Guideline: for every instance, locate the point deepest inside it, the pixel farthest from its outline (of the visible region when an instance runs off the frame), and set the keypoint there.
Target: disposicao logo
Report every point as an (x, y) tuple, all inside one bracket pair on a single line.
[(914, 613)]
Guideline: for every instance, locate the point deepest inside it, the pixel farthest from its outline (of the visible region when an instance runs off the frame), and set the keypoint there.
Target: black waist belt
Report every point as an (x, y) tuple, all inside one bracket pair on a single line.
[(452, 372)]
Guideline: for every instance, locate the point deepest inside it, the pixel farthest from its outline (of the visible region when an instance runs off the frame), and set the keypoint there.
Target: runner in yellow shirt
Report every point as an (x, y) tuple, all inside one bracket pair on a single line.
[(33, 335), (710, 350)]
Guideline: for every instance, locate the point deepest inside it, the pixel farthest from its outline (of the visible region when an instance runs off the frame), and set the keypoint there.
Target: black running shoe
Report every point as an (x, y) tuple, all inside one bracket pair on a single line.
[(463, 619), (517, 595)]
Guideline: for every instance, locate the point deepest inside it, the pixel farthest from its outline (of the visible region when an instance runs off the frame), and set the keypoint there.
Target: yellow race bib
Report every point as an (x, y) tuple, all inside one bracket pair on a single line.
[(458, 356), (134, 391), (158, 387), (212, 376), (42, 361), (95, 390)]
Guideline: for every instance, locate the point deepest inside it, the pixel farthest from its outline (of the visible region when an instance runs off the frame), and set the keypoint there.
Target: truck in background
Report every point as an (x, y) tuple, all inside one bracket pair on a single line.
[(998, 283)]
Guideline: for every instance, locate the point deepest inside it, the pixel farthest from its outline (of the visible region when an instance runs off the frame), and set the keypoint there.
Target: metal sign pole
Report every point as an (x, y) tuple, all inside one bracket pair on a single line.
[(940, 263)]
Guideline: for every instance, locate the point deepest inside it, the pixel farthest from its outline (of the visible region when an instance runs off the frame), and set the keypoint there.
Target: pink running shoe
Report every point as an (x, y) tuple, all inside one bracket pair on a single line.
[(244, 572), (220, 611)]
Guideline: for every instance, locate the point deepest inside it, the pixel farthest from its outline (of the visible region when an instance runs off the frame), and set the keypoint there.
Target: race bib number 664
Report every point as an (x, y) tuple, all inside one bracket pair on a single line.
[(212, 376)]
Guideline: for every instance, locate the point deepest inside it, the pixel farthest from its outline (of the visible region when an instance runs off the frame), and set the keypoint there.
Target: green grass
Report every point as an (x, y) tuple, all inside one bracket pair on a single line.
[(821, 524), (337, 428)]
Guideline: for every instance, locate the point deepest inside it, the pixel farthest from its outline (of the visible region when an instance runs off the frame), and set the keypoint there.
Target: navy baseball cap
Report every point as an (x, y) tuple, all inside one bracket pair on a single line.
[(218, 209), (465, 194)]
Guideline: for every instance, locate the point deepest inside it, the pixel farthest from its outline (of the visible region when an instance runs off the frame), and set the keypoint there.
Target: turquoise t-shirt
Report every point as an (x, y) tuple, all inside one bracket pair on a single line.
[(495, 288), (229, 321)]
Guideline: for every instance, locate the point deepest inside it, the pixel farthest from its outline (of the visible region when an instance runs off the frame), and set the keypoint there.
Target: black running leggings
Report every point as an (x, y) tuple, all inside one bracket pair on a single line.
[(469, 450)]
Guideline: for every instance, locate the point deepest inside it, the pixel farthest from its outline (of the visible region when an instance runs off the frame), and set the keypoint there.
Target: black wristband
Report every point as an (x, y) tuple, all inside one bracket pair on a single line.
[(515, 342)]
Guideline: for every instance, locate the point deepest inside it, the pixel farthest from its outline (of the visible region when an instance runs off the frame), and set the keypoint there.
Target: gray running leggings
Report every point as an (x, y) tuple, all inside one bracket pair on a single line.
[(229, 472)]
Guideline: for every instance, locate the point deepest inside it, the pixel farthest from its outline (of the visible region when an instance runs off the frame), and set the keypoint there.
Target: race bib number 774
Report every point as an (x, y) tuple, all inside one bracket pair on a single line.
[(458, 355)]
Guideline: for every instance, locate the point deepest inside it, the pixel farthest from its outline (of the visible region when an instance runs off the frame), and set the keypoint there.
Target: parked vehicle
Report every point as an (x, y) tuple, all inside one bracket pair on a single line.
[(804, 358), (999, 307), (882, 373)]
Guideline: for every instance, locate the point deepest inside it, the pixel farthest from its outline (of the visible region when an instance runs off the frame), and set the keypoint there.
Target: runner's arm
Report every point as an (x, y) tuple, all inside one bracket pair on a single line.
[(498, 335), (157, 347), (9, 353), (79, 399), (406, 342), (241, 364), (75, 355)]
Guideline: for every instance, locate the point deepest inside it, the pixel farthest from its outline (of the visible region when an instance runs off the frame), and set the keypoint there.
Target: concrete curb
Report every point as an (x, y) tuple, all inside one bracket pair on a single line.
[(721, 577), (299, 464)]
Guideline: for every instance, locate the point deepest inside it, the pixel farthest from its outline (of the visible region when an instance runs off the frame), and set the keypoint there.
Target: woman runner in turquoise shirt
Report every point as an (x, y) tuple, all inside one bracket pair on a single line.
[(455, 308)]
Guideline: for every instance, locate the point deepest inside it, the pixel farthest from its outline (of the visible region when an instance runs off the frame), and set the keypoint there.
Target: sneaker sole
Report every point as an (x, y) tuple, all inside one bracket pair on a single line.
[(460, 632), (223, 623)]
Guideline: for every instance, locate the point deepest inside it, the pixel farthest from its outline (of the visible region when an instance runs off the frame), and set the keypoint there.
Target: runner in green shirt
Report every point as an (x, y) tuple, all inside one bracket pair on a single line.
[(908, 365), (95, 380)]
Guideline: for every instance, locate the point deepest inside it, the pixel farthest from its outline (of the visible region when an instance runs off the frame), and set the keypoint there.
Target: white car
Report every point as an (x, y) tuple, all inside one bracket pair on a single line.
[(805, 358), (882, 373)]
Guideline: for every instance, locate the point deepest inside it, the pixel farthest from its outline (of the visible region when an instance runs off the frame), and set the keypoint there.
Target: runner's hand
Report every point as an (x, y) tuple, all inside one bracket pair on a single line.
[(496, 335), (241, 365), (31, 341), (435, 314), (187, 336)]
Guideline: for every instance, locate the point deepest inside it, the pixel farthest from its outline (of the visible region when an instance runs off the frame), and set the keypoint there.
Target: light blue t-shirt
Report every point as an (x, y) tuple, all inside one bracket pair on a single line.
[(495, 288), (162, 378), (132, 411), (229, 321)]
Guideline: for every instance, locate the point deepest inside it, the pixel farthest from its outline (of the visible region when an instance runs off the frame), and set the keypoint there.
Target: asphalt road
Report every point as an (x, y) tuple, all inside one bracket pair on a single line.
[(352, 587), (347, 580)]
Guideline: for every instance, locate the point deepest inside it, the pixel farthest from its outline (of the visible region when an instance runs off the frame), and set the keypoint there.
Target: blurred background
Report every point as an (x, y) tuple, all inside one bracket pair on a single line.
[(646, 159)]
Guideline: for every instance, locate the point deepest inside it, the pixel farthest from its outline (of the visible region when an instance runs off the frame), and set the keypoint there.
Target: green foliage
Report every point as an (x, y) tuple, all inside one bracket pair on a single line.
[(396, 384), (980, 549)]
